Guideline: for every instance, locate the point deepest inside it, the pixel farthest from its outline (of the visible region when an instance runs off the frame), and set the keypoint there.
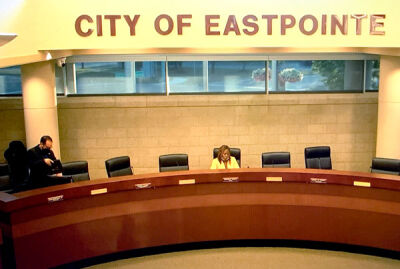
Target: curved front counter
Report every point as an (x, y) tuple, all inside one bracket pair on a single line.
[(61, 224)]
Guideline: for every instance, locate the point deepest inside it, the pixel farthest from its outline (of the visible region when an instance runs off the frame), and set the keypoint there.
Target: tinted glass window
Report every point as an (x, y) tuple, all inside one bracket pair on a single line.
[(325, 75), (10, 80), (186, 77), (236, 76)]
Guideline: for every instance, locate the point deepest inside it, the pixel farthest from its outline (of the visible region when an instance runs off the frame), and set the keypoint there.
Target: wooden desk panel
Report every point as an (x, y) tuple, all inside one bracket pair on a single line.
[(82, 225)]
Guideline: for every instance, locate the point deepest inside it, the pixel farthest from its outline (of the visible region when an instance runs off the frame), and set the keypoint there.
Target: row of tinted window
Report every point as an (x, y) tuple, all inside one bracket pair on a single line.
[(226, 76), (153, 77)]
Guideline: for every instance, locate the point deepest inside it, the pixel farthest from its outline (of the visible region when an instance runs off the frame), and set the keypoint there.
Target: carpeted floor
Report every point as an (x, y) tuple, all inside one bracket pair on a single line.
[(255, 257)]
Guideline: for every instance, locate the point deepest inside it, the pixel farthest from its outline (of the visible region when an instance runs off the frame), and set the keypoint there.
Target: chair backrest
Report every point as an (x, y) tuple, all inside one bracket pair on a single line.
[(119, 166), (53, 180), (17, 159), (235, 152), (5, 182), (79, 170), (173, 162), (275, 159), (385, 166), (318, 157)]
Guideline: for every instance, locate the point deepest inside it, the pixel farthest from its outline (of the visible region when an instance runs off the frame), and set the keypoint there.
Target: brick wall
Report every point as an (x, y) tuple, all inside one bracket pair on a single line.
[(12, 125), (144, 127)]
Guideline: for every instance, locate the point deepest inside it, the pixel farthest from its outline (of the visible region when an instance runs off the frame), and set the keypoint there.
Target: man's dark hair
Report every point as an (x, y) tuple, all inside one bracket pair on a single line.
[(45, 138)]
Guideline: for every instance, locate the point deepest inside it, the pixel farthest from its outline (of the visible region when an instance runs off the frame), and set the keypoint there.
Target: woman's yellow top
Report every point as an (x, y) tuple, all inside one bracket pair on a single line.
[(220, 165)]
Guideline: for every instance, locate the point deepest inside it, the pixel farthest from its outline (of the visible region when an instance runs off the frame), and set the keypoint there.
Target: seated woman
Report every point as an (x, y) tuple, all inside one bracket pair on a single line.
[(224, 159)]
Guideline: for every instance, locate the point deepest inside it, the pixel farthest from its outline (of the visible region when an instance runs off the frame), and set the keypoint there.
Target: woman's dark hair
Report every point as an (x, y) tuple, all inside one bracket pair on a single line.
[(45, 138), (221, 151)]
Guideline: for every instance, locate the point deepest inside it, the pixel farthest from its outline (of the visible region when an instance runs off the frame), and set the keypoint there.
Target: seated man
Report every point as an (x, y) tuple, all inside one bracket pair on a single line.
[(42, 164), (224, 159)]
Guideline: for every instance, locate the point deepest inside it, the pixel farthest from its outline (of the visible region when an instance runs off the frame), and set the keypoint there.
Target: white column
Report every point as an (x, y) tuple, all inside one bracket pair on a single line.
[(388, 133), (40, 104)]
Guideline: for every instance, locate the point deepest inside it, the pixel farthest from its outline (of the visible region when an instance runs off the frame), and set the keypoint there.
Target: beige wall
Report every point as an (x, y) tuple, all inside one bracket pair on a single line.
[(43, 26), (11, 123), (144, 127)]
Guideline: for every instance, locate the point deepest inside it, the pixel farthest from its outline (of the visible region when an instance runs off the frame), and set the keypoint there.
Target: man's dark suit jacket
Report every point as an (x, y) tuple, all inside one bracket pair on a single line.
[(39, 169)]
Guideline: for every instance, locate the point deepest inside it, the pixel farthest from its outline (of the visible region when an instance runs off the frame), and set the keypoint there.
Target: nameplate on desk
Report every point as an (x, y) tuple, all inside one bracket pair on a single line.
[(318, 180), (143, 185), (55, 198), (362, 184), (98, 191), (274, 179), (187, 181), (230, 179)]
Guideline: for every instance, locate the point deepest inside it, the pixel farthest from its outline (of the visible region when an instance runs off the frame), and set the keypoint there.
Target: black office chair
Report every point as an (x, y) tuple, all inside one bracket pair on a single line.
[(235, 152), (78, 170), (18, 167), (5, 182), (318, 157), (173, 162), (385, 166), (119, 166), (275, 159), (53, 180)]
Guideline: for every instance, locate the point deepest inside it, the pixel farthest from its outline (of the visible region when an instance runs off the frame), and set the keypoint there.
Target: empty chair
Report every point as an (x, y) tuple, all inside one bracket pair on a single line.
[(385, 166), (235, 152), (5, 183), (275, 159), (318, 157), (78, 170), (173, 162), (119, 166)]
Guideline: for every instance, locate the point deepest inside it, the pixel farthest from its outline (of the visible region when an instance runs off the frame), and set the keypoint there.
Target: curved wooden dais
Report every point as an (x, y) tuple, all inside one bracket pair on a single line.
[(61, 224)]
